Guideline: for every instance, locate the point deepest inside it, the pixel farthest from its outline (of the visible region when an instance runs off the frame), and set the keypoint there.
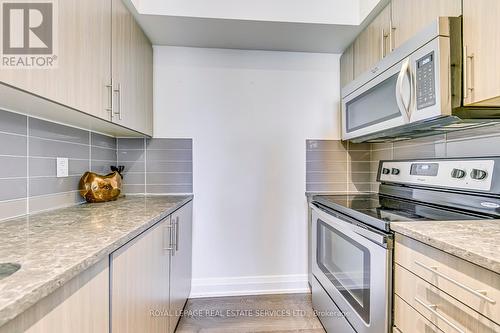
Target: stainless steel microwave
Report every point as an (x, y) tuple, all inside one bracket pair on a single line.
[(414, 90)]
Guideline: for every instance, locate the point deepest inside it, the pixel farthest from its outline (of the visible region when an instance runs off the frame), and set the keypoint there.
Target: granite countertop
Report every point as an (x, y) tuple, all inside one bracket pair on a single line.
[(475, 241), (57, 245)]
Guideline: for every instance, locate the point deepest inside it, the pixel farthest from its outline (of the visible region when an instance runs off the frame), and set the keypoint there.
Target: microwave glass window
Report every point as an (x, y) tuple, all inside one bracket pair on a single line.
[(380, 101), (346, 264)]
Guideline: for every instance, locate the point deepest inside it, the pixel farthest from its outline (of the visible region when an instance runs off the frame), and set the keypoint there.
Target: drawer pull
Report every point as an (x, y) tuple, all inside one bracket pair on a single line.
[(479, 293), (432, 308), (397, 330)]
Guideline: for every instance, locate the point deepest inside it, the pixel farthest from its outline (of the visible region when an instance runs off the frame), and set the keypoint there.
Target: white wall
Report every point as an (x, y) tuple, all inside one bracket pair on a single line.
[(321, 11), (249, 114)]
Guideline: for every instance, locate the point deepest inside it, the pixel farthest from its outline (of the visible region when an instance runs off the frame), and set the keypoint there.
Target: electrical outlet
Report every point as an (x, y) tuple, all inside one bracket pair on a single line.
[(62, 167)]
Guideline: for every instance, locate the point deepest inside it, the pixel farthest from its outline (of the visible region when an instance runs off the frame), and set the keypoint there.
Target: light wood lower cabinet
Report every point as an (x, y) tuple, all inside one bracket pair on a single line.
[(79, 306), (451, 293), (180, 262), (140, 282), (406, 319), (151, 277), (453, 275)]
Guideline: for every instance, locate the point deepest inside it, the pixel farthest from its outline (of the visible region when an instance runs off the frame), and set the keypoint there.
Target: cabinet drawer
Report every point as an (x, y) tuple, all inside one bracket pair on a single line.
[(408, 320), (475, 286), (448, 314)]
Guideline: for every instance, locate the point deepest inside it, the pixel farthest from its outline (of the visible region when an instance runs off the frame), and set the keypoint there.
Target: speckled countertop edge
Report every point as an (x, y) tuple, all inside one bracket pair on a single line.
[(476, 241), (22, 301)]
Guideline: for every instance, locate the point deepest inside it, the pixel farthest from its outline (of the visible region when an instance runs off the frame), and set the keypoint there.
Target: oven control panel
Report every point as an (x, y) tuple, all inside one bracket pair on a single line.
[(459, 174)]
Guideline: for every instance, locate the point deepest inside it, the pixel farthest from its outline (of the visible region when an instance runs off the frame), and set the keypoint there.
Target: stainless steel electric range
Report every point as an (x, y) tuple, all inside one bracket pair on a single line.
[(352, 239)]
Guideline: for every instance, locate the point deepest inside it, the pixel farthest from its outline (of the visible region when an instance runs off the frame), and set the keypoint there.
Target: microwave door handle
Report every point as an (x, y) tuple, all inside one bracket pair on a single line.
[(399, 89)]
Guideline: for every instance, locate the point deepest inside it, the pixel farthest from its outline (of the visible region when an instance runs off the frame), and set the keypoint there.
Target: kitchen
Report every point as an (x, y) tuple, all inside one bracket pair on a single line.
[(277, 167)]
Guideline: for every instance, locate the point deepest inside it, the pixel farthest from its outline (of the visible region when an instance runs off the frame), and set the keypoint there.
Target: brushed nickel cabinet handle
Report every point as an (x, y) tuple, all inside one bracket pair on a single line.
[(433, 309), (397, 329), (383, 37), (392, 28), (110, 108), (467, 87), (167, 230), (177, 233), (172, 238), (119, 93), (479, 293)]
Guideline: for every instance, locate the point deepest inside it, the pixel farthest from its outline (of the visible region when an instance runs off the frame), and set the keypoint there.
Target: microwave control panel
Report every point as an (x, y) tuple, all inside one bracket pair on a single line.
[(426, 81)]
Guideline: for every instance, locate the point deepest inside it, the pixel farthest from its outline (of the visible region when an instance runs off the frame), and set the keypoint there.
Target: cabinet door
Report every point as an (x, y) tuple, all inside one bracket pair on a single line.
[(79, 306), (180, 271), (481, 29), (132, 71), (84, 53), (347, 66), (410, 17), (140, 283), (373, 43)]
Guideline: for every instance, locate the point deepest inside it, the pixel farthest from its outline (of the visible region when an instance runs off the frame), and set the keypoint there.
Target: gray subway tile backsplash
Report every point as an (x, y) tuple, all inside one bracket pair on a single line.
[(169, 166), (49, 130), (128, 155), (168, 188), (157, 165), (14, 145), (47, 148), (28, 163), (30, 146), (166, 144), (103, 154), (13, 188), (13, 166), (336, 166), (130, 143), (169, 155), (100, 140), (51, 185), (13, 123), (46, 167)]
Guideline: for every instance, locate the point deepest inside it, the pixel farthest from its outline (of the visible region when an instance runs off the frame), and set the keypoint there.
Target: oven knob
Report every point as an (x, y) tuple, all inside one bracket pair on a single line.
[(386, 171), (478, 174), (458, 173), (395, 171)]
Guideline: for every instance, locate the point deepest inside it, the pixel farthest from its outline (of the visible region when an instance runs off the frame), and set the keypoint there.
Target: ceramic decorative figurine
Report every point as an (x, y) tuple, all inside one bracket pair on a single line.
[(97, 188)]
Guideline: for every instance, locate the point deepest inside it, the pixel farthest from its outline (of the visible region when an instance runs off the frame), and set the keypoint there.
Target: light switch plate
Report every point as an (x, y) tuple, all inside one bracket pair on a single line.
[(62, 167)]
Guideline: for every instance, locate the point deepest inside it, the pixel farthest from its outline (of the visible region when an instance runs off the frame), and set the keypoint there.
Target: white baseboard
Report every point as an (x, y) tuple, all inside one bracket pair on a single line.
[(249, 285)]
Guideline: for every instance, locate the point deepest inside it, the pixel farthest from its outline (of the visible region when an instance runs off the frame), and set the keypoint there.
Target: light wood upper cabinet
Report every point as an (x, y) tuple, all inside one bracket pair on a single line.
[(409, 17), (180, 268), (140, 282), (373, 43), (84, 52), (79, 306), (481, 34), (347, 66), (132, 71)]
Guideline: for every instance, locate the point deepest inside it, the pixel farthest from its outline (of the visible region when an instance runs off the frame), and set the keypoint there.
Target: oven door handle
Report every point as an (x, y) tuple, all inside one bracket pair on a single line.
[(372, 235)]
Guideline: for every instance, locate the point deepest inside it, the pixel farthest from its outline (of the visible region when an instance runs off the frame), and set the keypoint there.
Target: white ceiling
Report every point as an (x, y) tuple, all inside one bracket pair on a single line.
[(325, 26)]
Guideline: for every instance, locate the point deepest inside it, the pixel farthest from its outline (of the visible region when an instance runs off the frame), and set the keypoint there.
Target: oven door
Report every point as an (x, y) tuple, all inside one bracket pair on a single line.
[(353, 264), (382, 103)]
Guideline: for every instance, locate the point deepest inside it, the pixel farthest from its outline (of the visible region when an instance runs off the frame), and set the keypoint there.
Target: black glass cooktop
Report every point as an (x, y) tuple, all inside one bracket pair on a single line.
[(379, 210)]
